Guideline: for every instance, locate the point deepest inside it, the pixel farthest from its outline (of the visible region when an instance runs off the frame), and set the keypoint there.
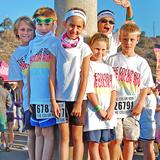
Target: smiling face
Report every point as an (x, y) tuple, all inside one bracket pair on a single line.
[(74, 27), (25, 32), (106, 25), (99, 49)]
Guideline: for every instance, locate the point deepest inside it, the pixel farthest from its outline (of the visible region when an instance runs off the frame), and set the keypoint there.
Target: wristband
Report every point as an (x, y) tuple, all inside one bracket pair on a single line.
[(97, 108), (129, 18)]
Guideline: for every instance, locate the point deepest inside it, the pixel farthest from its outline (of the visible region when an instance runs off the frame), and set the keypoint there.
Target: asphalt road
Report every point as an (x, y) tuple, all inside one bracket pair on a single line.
[(19, 150)]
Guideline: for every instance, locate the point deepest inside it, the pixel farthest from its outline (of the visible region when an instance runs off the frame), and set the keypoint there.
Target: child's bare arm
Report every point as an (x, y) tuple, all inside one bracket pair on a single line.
[(52, 84), (93, 99), (110, 110), (126, 4), (82, 87), (137, 109)]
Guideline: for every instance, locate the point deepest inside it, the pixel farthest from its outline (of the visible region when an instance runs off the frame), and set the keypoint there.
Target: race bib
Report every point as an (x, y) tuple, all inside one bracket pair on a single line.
[(62, 118), (124, 105), (43, 111)]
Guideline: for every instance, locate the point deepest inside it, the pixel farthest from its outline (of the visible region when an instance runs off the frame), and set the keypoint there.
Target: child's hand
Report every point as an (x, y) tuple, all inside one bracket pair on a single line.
[(136, 110), (109, 113), (102, 113), (56, 110), (76, 109), (123, 3)]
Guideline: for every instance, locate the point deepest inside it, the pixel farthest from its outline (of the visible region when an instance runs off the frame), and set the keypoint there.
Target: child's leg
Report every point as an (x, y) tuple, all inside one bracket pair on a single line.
[(64, 141), (11, 133), (115, 150), (39, 143), (77, 138), (128, 150), (148, 150), (48, 135), (31, 144), (104, 151), (94, 151)]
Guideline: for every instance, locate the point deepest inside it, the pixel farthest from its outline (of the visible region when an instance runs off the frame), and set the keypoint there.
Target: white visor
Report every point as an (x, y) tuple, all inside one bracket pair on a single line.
[(75, 13)]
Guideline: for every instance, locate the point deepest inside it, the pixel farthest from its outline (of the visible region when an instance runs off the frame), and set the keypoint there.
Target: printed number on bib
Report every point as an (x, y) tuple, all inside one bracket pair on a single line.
[(62, 118), (124, 105), (43, 111)]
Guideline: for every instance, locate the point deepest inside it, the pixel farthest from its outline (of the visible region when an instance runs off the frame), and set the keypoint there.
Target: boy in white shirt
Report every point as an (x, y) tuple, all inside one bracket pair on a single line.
[(134, 77)]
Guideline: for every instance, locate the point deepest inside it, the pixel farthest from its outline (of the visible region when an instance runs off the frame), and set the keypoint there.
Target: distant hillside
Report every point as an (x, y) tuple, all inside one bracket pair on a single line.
[(8, 43)]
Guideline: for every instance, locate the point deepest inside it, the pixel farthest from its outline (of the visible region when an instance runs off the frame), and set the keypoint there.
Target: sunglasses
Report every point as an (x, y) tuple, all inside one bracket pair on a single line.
[(44, 20), (106, 21)]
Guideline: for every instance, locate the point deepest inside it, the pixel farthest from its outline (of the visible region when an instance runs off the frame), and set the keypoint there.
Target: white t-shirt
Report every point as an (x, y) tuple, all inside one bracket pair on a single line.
[(18, 71), (39, 57), (68, 69), (133, 74), (102, 82), (114, 43), (148, 112)]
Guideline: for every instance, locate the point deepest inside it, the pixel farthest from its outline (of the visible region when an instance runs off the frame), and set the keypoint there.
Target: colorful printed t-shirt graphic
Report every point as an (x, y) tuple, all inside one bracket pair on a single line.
[(40, 52), (133, 74), (68, 69), (18, 71), (102, 82)]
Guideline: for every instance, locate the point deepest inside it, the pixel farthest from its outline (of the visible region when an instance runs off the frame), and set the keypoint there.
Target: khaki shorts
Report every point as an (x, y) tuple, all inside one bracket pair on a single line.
[(127, 128)]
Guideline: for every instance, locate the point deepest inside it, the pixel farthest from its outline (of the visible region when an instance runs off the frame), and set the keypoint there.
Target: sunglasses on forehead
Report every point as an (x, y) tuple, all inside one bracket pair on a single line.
[(106, 21), (44, 20)]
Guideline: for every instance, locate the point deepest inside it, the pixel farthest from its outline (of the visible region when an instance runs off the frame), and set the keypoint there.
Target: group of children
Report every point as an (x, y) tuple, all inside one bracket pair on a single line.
[(93, 89)]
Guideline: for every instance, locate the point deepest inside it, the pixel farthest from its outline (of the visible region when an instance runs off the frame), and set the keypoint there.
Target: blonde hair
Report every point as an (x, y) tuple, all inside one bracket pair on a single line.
[(27, 20), (45, 12), (99, 37), (130, 28)]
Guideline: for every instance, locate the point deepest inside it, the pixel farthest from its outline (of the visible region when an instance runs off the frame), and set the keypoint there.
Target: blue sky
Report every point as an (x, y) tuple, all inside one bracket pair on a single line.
[(146, 12)]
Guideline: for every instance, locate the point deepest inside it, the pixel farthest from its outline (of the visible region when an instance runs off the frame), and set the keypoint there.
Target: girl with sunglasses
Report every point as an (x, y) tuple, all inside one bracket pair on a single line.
[(72, 57), (106, 23), (39, 59)]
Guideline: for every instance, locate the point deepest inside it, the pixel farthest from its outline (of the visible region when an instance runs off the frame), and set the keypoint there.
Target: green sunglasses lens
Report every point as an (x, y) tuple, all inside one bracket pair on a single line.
[(45, 21), (48, 20)]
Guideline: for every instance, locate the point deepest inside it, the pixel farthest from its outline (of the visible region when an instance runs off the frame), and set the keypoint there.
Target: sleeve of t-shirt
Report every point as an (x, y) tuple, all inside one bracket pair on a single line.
[(146, 76), (90, 84), (15, 71), (86, 51)]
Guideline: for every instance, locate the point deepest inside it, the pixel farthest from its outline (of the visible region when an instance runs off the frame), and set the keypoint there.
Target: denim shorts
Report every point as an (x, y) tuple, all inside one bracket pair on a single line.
[(100, 136)]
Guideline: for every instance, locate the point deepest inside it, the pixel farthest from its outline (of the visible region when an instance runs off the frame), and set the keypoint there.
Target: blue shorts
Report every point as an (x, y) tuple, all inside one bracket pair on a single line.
[(42, 123), (27, 124), (147, 125), (100, 136)]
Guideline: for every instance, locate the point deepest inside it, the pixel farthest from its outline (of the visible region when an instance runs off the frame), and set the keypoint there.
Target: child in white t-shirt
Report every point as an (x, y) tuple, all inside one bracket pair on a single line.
[(101, 92), (148, 125), (24, 32), (134, 77), (72, 57)]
